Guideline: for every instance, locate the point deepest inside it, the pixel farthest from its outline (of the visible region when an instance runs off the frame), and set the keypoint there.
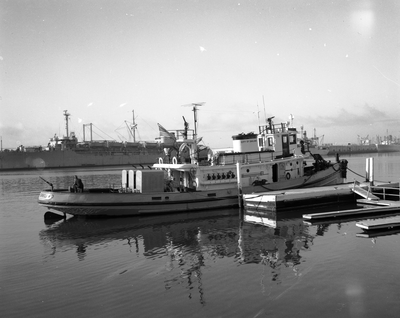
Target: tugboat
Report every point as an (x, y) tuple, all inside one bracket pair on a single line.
[(182, 181)]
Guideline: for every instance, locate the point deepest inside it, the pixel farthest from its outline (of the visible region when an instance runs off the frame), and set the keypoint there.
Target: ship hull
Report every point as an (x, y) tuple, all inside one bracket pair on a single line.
[(352, 149), (131, 204), (355, 149), (14, 160), (389, 148), (114, 203)]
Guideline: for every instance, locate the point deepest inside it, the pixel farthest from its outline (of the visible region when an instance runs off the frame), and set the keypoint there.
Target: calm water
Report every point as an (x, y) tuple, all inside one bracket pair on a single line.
[(208, 264)]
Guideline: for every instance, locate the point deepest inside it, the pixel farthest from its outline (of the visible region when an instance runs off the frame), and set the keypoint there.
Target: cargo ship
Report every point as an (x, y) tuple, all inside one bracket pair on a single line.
[(68, 152), (388, 147), (351, 149), (365, 146)]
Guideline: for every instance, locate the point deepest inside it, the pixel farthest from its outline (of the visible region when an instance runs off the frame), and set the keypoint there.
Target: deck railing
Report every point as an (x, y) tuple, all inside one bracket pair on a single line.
[(386, 193), (383, 192)]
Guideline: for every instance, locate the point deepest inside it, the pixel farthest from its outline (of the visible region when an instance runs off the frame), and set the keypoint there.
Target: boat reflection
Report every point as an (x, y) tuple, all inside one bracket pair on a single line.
[(284, 236), (186, 243), (183, 243), (375, 234), (154, 232)]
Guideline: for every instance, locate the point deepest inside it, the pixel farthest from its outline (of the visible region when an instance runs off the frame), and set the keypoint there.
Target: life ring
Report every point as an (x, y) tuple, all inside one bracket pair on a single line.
[(160, 161), (288, 176), (174, 160)]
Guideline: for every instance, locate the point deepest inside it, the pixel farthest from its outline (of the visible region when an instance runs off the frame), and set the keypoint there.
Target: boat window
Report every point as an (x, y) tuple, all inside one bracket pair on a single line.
[(260, 142), (270, 141), (156, 198), (212, 195)]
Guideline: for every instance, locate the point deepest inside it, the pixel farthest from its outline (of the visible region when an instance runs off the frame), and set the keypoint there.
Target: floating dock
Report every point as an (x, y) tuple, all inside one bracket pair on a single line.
[(370, 204), (296, 198), (382, 224), (378, 233), (310, 197), (369, 197), (358, 211)]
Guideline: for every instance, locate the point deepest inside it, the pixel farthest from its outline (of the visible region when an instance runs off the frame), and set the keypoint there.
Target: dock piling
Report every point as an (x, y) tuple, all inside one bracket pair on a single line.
[(369, 177), (239, 182)]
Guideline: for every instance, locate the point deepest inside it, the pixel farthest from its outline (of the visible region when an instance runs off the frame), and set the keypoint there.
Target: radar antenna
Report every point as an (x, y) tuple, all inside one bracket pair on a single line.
[(195, 105)]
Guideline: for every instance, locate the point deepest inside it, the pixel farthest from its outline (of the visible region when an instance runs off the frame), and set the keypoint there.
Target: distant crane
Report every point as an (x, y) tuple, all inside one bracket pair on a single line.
[(130, 127), (318, 140), (133, 127), (363, 140)]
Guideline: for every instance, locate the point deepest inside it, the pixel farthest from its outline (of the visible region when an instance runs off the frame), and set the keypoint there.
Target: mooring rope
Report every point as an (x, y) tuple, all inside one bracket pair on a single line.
[(363, 176)]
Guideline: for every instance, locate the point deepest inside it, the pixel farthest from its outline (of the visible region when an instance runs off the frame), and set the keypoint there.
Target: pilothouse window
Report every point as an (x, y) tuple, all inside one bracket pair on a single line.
[(260, 142)]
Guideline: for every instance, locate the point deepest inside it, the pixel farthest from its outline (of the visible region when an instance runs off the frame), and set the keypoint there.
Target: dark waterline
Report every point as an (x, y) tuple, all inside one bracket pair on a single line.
[(207, 264)]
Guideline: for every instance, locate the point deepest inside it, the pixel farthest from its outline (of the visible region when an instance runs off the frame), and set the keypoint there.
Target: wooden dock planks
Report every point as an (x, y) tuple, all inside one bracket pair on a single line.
[(277, 200), (333, 214), (379, 224)]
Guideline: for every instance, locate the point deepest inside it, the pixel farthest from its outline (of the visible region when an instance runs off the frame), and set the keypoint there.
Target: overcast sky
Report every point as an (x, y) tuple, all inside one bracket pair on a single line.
[(333, 65)]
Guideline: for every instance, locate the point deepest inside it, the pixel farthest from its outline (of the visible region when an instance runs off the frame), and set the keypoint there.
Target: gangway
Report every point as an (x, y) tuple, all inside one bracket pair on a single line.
[(362, 192)]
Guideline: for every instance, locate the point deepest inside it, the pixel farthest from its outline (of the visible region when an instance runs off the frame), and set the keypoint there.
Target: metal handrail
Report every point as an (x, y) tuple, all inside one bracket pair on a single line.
[(384, 189)]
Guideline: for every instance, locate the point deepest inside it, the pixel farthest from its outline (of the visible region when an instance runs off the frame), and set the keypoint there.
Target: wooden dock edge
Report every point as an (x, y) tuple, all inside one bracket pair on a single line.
[(324, 215)]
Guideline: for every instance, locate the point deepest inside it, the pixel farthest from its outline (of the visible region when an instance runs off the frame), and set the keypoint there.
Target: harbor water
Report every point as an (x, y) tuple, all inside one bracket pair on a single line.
[(204, 264)]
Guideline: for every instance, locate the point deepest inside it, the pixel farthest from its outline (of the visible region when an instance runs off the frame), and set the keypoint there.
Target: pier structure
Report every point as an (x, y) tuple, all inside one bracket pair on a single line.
[(371, 198)]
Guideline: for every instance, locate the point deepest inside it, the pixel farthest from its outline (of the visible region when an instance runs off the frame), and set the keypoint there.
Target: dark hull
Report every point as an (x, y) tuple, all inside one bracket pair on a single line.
[(355, 149), (131, 204), (388, 148), (352, 149), (15, 160), (108, 202)]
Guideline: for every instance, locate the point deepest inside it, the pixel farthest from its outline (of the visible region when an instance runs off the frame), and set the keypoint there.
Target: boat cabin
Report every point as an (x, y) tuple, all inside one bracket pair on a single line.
[(274, 141), (264, 158), (277, 138)]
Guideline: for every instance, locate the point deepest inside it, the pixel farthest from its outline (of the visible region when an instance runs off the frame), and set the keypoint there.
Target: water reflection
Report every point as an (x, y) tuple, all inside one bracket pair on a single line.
[(182, 242), (182, 246), (275, 240), (158, 233), (379, 233), (187, 241)]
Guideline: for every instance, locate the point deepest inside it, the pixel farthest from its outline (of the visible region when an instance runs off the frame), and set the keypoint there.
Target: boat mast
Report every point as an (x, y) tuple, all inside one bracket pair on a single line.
[(195, 105), (66, 121), (133, 128)]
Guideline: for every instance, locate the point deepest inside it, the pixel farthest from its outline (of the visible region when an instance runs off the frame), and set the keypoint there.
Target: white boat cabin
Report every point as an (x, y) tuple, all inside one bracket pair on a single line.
[(263, 158)]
